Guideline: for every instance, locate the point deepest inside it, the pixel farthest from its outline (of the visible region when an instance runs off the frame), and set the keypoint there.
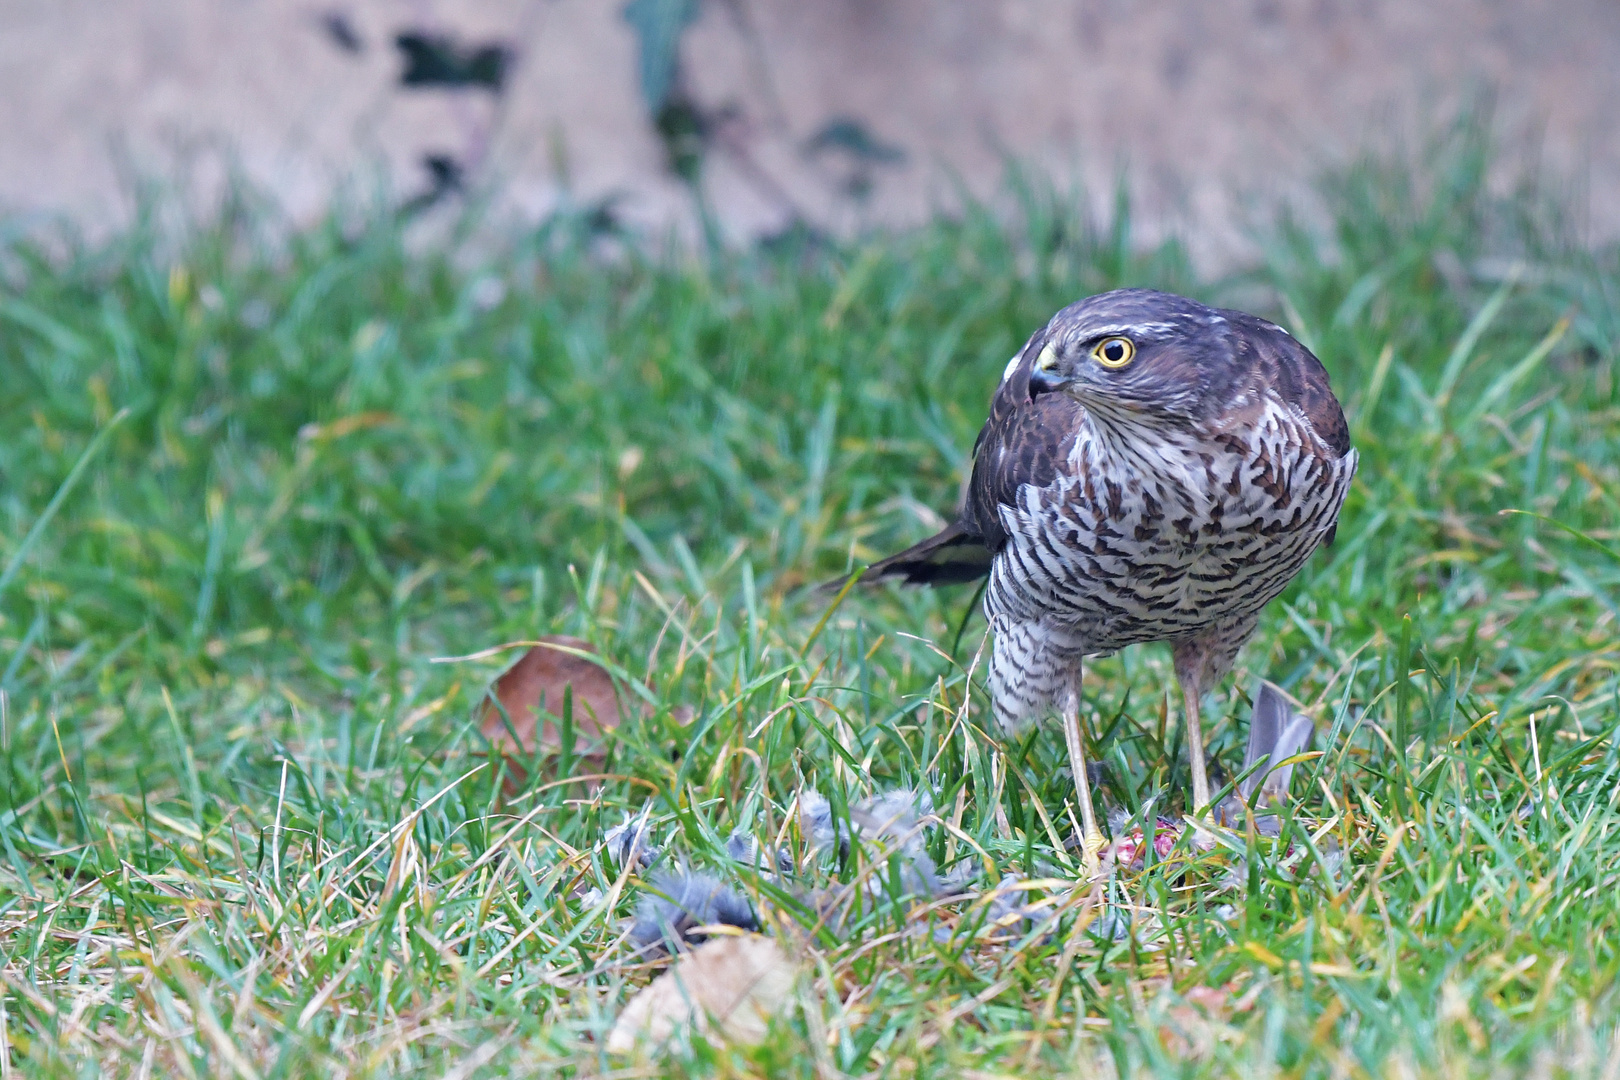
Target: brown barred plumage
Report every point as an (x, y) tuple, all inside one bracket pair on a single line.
[(1166, 498)]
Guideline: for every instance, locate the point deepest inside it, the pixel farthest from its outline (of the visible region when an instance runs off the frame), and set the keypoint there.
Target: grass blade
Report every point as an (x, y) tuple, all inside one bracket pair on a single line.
[(1476, 328), (62, 492)]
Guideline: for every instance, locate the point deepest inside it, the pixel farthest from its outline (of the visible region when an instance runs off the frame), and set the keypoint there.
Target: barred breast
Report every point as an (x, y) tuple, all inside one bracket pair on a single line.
[(1158, 536)]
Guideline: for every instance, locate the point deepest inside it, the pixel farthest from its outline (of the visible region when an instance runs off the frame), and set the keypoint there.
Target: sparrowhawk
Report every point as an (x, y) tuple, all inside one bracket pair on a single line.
[(1152, 470)]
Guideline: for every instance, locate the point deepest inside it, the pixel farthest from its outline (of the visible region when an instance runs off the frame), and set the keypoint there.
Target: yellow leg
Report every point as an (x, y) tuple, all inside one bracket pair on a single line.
[(1092, 841), (1195, 747)]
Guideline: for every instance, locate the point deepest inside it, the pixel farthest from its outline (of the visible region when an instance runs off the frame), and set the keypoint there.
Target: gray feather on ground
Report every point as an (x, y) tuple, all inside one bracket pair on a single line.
[(627, 842), (745, 849), (679, 903), (1276, 733)]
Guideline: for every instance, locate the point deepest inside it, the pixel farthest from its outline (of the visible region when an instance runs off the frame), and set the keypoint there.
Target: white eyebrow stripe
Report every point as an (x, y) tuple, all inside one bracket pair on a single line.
[(1012, 365), (1148, 330)]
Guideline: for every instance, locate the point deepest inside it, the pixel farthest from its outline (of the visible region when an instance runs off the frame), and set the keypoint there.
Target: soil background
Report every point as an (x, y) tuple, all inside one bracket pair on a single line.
[(1212, 109)]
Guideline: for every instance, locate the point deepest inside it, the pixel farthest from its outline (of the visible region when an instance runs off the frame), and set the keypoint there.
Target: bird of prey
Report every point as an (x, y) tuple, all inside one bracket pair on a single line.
[(1152, 470)]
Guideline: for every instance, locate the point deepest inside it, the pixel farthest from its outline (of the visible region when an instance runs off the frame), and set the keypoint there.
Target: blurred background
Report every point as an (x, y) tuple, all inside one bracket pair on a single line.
[(751, 117)]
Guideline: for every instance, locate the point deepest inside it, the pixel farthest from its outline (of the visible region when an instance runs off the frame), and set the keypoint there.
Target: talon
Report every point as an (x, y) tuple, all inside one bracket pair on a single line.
[(1091, 854), (1203, 834)]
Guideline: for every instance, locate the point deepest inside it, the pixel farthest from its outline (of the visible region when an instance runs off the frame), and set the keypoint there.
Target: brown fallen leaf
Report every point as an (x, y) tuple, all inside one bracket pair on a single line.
[(737, 982), (1191, 1028), (538, 683)]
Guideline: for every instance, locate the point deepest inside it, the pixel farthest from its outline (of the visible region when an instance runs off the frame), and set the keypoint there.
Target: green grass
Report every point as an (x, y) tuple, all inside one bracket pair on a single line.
[(247, 825)]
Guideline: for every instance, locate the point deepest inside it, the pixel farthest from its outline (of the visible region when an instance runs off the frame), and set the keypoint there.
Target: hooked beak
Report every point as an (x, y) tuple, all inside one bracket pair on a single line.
[(1044, 377)]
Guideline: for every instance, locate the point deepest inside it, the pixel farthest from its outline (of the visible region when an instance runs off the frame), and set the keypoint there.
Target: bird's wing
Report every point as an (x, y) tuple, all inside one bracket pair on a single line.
[(952, 556), (1298, 378), (1025, 441)]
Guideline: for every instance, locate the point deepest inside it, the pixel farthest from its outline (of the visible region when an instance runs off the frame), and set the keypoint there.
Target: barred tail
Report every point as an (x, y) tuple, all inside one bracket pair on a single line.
[(952, 557)]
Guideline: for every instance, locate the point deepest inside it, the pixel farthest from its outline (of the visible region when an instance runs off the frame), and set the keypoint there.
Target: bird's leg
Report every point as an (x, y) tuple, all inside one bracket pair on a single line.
[(1092, 841), (1202, 662), (1190, 693)]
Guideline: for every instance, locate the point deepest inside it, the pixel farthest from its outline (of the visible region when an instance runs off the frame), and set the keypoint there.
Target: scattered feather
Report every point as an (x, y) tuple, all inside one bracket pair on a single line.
[(626, 843), (677, 907), (1277, 733), (816, 822), (1110, 926), (745, 849), (959, 878), (1010, 914), (888, 822), (890, 833), (1007, 907), (888, 807)]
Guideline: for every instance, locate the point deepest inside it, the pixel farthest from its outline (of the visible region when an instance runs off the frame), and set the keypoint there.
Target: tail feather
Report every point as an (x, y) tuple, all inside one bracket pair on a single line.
[(951, 557), (1276, 734)]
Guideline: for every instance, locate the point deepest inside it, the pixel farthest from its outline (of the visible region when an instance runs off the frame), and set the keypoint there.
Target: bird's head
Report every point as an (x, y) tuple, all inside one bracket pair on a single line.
[(1136, 356)]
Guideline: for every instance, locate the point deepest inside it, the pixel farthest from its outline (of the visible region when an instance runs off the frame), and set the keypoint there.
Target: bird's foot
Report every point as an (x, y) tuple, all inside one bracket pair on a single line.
[(1202, 827), (1091, 855)]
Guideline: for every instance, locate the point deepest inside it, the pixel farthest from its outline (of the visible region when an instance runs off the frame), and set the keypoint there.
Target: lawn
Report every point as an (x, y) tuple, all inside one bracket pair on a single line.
[(263, 494)]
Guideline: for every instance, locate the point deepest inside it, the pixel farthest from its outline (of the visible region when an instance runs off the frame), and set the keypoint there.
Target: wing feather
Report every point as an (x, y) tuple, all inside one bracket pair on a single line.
[(1025, 441)]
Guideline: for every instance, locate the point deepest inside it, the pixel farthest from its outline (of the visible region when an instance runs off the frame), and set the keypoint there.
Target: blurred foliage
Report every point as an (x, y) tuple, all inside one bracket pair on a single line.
[(658, 25)]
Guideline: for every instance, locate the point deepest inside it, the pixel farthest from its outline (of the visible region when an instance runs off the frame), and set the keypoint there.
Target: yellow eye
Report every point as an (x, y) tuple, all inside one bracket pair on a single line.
[(1114, 352)]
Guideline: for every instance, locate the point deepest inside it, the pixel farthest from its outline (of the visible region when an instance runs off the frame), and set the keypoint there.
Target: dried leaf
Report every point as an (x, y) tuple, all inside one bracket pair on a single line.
[(735, 982), (531, 692)]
